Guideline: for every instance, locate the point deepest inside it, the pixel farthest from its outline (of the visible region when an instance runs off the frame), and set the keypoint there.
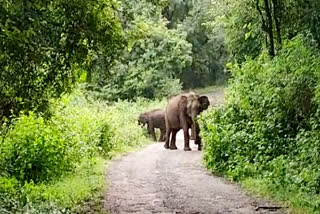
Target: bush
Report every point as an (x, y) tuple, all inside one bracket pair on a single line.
[(35, 150), (268, 127), (123, 118), (54, 165)]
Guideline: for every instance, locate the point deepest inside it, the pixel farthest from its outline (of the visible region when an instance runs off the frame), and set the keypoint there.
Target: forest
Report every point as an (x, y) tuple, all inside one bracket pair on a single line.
[(75, 75)]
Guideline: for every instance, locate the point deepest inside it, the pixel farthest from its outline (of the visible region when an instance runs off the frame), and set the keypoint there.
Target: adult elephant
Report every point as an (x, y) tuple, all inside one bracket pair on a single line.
[(154, 119), (181, 113)]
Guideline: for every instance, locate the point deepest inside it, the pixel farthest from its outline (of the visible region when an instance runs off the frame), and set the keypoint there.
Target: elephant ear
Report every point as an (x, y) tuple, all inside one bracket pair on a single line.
[(143, 118), (193, 105), (183, 102), (204, 103)]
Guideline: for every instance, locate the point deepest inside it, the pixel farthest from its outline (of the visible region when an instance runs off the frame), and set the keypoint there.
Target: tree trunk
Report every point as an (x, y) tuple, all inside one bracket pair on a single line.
[(264, 25), (269, 27), (277, 17)]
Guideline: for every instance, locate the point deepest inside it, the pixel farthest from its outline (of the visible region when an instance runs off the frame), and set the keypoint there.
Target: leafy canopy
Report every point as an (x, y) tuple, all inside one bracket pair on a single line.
[(42, 42)]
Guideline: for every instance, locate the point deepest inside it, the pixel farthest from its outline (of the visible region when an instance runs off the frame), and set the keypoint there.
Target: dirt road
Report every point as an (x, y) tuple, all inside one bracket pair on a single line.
[(155, 180)]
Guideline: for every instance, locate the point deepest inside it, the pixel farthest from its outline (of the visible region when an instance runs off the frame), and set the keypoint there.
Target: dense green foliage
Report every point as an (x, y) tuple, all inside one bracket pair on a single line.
[(241, 26), (69, 194), (208, 48), (36, 150), (53, 145), (152, 65), (248, 25), (268, 128), (122, 49), (169, 47), (52, 164), (42, 42), (266, 134)]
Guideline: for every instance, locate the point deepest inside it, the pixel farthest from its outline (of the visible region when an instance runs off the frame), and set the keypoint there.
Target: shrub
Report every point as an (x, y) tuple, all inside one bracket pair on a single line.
[(268, 127), (123, 117), (40, 150), (54, 164), (35, 150)]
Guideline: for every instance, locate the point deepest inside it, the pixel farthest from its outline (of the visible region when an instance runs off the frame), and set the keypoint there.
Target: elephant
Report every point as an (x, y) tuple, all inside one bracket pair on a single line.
[(203, 106), (181, 113), (154, 119)]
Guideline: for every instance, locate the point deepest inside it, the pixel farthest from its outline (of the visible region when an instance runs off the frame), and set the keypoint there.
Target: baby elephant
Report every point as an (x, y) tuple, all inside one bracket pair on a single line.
[(154, 119)]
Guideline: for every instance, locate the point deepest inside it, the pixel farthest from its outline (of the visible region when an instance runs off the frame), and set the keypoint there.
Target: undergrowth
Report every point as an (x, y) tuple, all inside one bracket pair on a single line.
[(56, 164), (268, 129)]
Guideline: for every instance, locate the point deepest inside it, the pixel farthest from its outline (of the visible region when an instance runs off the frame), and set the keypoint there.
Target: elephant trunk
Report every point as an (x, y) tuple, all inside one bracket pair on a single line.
[(196, 129)]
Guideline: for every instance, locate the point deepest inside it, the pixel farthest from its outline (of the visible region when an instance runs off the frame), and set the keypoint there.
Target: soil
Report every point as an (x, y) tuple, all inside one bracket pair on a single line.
[(156, 180)]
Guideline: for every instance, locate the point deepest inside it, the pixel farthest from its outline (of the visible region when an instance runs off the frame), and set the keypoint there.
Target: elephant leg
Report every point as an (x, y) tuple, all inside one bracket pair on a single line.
[(192, 133), (162, 135), (151, 131), (168, 132), (186, 139), (197, 137), (199, 146), (199, 142), (148, 128), (173, 139)]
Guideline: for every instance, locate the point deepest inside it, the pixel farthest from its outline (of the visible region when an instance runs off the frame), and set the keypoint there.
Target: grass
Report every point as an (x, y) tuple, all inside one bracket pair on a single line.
[(72, 190), (82, 191), (208, 89), (298, 202)]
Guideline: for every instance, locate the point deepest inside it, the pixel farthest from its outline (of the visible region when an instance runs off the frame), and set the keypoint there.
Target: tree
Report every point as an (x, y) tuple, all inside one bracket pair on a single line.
[(153, 62), (41, 44), (252, 25), (208, 46), (239, 21)]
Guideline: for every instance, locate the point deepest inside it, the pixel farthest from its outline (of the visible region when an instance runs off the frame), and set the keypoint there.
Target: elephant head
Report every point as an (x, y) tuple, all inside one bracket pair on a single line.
[(204, 103), (142, 119), (196, 104)]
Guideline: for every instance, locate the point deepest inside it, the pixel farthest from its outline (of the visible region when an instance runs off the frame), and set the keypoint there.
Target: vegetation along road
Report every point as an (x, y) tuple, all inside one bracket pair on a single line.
[(155, 180), (75, 75)]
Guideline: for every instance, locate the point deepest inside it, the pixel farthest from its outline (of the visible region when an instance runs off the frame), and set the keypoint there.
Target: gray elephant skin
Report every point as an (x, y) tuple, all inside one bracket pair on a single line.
[(181, 113), (154, 119)]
